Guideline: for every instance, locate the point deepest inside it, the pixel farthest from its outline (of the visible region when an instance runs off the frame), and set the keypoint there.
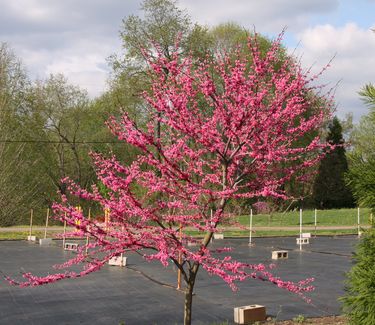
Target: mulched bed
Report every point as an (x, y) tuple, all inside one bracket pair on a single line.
[(332, 320)]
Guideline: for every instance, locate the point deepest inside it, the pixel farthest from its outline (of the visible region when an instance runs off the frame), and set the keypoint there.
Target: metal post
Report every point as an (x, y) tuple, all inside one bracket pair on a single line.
[(31, 222), (300, 229), (45, 229), (251, 227)]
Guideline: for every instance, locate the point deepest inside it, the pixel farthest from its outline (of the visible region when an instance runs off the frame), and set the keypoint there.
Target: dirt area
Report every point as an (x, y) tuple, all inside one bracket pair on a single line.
[(332, 320)]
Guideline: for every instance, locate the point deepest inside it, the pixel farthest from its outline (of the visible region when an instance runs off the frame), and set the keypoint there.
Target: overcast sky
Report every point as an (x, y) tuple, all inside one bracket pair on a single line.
[(75, 37)]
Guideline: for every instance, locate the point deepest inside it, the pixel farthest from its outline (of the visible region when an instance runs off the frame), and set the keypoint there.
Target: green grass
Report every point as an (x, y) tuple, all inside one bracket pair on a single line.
[(22, 235), (17, 235), (278, 233), (338, 217)]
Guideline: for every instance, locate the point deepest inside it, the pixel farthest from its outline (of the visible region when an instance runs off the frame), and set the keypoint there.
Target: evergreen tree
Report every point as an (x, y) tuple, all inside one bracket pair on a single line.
[(361, 175), (359, 301), (330, 190)]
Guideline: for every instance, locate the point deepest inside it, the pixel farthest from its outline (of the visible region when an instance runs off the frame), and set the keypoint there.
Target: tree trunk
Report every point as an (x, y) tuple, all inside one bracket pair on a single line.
[(188, 304)]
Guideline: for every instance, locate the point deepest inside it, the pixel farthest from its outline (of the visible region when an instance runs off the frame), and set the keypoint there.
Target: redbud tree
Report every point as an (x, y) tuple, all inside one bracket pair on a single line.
[(230, 128)]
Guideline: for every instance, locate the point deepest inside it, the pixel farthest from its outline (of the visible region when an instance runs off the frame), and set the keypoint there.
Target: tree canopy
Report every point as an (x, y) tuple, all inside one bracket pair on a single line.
[(233, 133), (17, 188)]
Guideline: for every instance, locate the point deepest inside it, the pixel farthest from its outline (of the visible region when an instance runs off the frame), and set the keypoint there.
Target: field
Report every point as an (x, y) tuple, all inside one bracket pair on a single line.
[(329, 320), (334, 217), (329, 222)]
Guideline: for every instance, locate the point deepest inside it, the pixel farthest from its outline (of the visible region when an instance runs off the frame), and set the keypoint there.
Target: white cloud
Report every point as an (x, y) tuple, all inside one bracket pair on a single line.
[(354, 50), (70, 37), (30, 10), (84, 63), (269, 16), (88, 71)]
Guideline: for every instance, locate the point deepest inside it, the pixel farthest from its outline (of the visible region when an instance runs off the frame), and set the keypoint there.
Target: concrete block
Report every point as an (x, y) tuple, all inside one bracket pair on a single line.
[(119, 260), (71, 247), (306, 235), (218, 236), (279, 255), (45, 241), (192, 243), (248, 314), (32, 238), (302, 241)]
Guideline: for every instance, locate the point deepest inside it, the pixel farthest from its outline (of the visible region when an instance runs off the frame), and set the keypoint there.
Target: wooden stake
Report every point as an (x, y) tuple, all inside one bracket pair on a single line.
[(211, 224), (77, 221), (179, 262), (315, 218), (64, 232), (300, 229), (358, 223), (31, 222), (106, 218), (251, 227), (87, 237), (45, 229)]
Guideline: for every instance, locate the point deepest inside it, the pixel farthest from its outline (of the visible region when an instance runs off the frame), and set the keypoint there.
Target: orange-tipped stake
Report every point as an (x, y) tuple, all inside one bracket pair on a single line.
[(87, 237)]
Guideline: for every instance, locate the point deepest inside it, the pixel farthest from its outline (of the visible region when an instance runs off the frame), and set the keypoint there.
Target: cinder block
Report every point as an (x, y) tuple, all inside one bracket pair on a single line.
[(306, 235), (71, 246), (218, 236), (248, 314), (302, 241), (279, 255), (32, 238), (192, 243), (45, 241), (119, 260)]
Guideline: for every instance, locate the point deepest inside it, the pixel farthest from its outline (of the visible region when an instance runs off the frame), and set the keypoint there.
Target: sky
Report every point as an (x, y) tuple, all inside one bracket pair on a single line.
[(76, 37)]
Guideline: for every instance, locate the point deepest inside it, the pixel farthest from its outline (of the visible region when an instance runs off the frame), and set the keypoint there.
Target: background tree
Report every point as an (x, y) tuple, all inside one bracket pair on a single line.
[(17, 187), (361, 175), (63, 126), (231, 147), (162, 27), (162, 24), (58, 122), (330, 190)]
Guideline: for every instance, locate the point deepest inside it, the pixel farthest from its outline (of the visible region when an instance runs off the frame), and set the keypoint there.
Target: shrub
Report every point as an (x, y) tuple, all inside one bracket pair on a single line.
[(262, 207), (359, 301)]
